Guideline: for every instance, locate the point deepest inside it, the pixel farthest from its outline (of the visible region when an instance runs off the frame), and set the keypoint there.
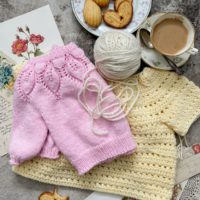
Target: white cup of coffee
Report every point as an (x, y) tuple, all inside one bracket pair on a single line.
[(173, 34)]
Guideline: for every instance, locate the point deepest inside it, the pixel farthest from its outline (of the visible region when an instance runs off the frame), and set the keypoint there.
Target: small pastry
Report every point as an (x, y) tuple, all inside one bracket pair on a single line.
[(120, 18), (112, 18), (125, 11), (51, 196), (118, 2), (92, 13), (102, 3)]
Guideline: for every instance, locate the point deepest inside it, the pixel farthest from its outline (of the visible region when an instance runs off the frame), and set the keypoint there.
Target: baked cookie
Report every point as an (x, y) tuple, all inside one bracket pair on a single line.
[(92, 13), (118, 2), (102, 3), (51, 196), (121, 17)]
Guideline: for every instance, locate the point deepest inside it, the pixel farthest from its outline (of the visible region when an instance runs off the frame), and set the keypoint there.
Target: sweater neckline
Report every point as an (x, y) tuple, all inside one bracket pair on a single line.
[(149, 83), (149, 79)]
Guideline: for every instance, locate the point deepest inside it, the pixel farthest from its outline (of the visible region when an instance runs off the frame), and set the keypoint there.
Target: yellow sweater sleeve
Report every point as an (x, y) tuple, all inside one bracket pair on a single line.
[(184, 106)]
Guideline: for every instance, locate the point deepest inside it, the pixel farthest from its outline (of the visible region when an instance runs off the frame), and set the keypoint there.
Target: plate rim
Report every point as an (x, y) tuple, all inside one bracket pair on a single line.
[(96, 34)]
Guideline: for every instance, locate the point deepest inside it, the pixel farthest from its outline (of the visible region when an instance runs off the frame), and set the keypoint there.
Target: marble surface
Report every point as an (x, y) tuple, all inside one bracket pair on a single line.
[(14, 187)]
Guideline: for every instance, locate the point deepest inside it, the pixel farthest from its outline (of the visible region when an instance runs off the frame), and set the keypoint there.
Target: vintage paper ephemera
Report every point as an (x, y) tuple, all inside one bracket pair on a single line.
[(35, 32), (6, 91)]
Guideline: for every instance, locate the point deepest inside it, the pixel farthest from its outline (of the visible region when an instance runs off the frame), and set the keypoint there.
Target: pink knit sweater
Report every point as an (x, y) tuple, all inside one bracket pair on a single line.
[(48, 118)]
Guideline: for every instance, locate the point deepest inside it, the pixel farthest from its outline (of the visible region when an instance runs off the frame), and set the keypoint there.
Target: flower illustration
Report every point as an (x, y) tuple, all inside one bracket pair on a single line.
[(27, 44), (6, 75), (196, 148), (36, 39), (19, 46)]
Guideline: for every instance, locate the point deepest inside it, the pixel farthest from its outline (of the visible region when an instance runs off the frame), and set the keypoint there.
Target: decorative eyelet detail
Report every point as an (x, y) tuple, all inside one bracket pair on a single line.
[(40, 67), (76, 69), (59, 62), (28, 81), (52, 79), (77, 53)]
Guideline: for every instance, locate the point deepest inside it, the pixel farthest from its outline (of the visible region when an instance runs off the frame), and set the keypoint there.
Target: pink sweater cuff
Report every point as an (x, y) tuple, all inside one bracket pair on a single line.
[(104, 153), (14, 161), (52, 153)]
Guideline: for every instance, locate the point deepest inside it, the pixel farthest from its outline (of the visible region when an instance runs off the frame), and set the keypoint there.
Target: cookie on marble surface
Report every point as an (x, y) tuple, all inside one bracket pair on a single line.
[(51, 196)]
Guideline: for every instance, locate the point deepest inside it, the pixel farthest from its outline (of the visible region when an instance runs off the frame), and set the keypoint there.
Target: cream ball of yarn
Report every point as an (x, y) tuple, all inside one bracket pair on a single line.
[(117, 55)]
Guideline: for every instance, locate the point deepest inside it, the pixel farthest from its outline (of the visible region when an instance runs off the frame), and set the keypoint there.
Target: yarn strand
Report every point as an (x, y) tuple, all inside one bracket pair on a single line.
[(119, 108)]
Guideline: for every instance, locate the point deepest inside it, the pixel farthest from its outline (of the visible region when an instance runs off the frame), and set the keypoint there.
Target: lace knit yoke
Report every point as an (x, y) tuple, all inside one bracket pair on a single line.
[(167, 104)]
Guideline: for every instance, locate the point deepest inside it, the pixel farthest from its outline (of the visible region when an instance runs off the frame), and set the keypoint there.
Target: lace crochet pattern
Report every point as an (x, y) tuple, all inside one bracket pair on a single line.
[(167, 104)]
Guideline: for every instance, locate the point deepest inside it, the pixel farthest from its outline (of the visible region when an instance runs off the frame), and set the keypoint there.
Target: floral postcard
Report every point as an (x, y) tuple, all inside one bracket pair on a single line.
[(21, 38), (29, 35), (7, 78)]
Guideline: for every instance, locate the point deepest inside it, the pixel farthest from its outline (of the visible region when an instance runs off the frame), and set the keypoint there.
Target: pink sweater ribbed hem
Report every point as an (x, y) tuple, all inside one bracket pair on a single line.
[(104, 153)]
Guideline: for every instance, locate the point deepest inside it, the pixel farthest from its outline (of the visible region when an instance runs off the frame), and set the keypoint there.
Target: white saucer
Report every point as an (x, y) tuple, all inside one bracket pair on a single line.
[(154, 58)]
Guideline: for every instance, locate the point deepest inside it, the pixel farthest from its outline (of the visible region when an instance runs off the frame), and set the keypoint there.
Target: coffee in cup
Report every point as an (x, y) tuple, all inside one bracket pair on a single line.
[(173, 34)]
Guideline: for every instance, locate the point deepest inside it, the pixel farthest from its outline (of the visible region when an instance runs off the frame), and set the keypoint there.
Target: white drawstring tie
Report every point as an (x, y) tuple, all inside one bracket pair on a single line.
[(99, 110), (180, 146)]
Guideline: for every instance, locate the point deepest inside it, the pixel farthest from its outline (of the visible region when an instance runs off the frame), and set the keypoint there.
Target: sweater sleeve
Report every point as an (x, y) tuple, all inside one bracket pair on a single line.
[(28, 132), (183, 107)]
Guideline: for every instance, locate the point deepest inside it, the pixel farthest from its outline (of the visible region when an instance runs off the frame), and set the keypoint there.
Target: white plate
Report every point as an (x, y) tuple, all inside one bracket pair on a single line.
[(151, 56), (141, 11)]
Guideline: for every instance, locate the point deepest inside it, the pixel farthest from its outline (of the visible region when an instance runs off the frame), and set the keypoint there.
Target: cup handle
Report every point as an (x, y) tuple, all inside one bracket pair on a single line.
[(193, 51)]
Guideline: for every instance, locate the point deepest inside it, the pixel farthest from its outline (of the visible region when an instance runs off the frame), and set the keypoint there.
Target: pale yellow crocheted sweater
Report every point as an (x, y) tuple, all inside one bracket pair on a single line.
[(167, 104)]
